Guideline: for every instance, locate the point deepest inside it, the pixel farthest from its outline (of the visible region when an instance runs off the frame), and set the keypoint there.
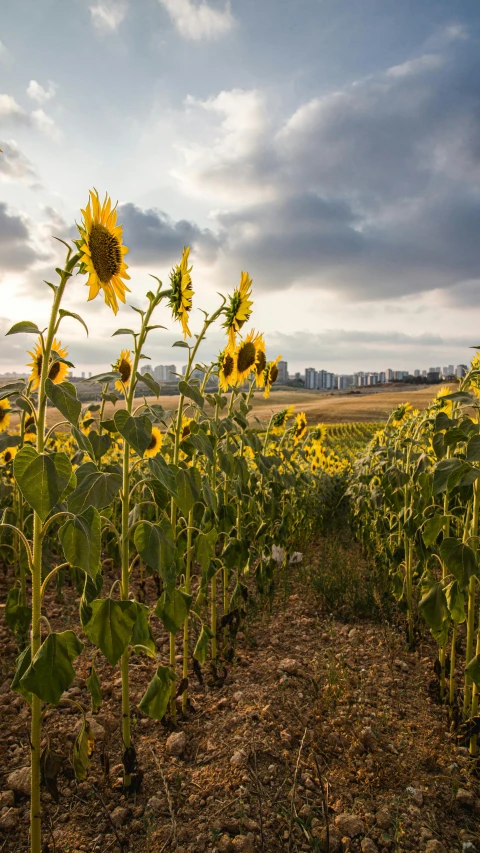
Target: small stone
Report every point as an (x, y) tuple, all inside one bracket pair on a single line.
[(96, 729), (434, 846), (239, 758), (335, 839), (289, 665), (266, 712), (383, 819), (7, 799), (242, 844), (310, 784), (176, 743), (350, 825), (464, 798), (155, 805), (222, 703), (368, 846), (237, 696), (10, 819), (416, 795), (119, 816), (19, 781), (297, 557), (425, 834), (286, 737), (400, 664), (352, 635), (368, 739)]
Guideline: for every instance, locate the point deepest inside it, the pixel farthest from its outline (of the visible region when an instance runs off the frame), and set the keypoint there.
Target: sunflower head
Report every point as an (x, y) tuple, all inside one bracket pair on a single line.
[(246, 355), (185, 431), (124, 367), (227, 370), (4, 414), (260, 362), (319, 434), (445, 405), (102, 251), (239, 309), (270, 375), (58, 370), (300, 427), (155, 445), (279, 420), (180, 300), (401, 412), (8, 455)]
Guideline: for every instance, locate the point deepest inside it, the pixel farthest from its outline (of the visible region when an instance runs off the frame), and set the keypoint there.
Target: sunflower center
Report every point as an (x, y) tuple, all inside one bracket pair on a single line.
[(246, 356), (228, 365), (54, 371), (153, 442), (124, 370), (105, 253), (273, 373), (3, 414), (8, 456), (261, 362), (185, 431)]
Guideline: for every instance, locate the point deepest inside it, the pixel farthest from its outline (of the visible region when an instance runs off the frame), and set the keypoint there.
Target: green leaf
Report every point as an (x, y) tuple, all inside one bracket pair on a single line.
[(42, 479), (473, 670), (50, 672), (156, 549), (137, 431), (459, 559), (433, 607), (23, 663), (7, 440), (142, 634), (82, 751), (205, 548), (163, 472), (77, 317), (24, 327), (82, 440), (191, 392), (455, 602), (97, 489), (172, 608), (123, 332), (432, 528), (202, 445), (80, 537), (182, 344), (154, 702), (442, 472), (12, 388), (100, 444), (91, 591), (473, 449), (201, 649), (149, 381), (110, 626), (64, 397), (95, 689), (104, 378), (187, 494), (17, 615)]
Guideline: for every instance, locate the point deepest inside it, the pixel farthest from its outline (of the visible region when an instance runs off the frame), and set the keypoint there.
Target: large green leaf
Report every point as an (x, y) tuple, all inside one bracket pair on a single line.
[(165, 473), (42, 479), (83, 441), (473, 449), (142, 634), (51, 672), (433, 607), (442, 472), (100, 443), (64, 397), (7, 440), (473, 670), (96, 488), (201, 649), (149, 381), (11, 388), (187, 490), (191, 392), (110, 626), (156, 549), (137, 431), (459, 559), (24, 327), (432, 528), (172, 608), (80, 537), (205, 548), (455, 602), (154, 703)]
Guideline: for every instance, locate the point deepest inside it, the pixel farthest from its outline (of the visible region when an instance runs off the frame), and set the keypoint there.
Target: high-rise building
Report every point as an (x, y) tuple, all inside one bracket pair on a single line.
[(461, 370), (416, 373), (389, 374), (310, 377), (282, 371)]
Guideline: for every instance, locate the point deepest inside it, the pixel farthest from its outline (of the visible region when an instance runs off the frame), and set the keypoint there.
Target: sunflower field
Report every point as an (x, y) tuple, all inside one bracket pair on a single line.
[(199, 501)]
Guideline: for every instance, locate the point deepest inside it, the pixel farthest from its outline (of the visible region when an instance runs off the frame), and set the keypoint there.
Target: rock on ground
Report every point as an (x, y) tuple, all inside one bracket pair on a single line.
[(176, 743)]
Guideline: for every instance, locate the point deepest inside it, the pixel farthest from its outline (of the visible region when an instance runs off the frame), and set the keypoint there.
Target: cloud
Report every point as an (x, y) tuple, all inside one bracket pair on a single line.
[(153, 237), (371, 191), (199, 20), (16, 249), (108, 15), (37, 92), (15, 166), (47, 125), (12, 112)]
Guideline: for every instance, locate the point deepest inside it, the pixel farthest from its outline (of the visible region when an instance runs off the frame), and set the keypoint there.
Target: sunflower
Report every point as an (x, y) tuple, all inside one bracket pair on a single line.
[(270, 375), (86, 422), (445, 405), (102, 251), (227, 371), (156, 442), (9, 454), (260, 362), (4, 414), (180, 300), (124, 367), (319, 434), (246, 356), (239, 310), (401, 412), (280, 419), (30, 437), (300, 427), (58, 370), (185, 430)]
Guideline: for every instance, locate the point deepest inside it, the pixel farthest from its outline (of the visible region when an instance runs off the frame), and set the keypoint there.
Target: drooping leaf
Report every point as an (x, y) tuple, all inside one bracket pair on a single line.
[(432, 528), (82, 440), (172, 608), (41, 478), (165, 473), (17, 615), (110, 626), (51, 672), (442, 472), (100, 444), (95, 689), (137, 431), (11, 388), (23, 663), (64, 397), (433, 607), (455, 602), (201, 649), (80, 537), (23, 327), (205, 548), (142, 634), (154, 703), (156, 548), (83, 750), (76, 317), (473, 670), (150, 382), (459, 559), (191, 392)]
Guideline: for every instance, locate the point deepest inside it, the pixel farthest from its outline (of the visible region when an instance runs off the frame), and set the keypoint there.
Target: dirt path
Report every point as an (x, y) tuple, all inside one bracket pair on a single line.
[(304, 685)]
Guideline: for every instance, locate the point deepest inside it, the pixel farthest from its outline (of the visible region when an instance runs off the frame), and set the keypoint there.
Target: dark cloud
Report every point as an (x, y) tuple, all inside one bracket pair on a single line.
[(153, 237), (16, 251), (15, 166)]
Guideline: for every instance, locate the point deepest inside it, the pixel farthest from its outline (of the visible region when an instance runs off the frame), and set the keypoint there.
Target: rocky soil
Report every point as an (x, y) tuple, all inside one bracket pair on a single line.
[(323, 736)]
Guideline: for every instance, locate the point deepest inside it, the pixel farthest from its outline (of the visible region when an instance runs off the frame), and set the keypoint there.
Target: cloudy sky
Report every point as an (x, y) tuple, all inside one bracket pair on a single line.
[(329, 147)]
